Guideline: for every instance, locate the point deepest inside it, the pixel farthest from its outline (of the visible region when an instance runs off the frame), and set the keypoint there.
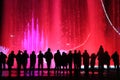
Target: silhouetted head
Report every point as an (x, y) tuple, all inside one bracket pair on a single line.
[(101, 46), (40, 51), (12, 52), (85, 51), (116, 52), (79, 52), (49, 50), (58, 51), (19, 51), (93, 54), (70, 51), (63, 53), (75, 51), (25, 51), (106, 52), (33, 52), (1, 53)]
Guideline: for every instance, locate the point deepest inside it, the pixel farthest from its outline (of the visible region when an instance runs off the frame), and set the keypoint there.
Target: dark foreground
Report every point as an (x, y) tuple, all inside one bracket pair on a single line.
[(112, 75)]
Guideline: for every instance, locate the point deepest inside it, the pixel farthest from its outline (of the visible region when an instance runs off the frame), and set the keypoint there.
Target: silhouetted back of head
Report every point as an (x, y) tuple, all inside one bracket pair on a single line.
[(75, 51), (25, 51), (33, 52), (79, 52), (40, 51), (58, 51), (101, 48), (85, 51), (93, 54), (49, 50), (70, 51), (12, 52)]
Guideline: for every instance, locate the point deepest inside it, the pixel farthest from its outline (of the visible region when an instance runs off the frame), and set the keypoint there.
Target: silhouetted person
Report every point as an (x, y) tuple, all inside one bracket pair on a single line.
[(107, 60), (3, 60), (86, 62), (25, 57), (40, 61), (19, 61), (100, 55), (115, 57), (0, 63), (79, 60), (92, 62), (57, 59), (32, 62), (64, 61), (10, 61), (48, 57), (70, 59), (75, 59)]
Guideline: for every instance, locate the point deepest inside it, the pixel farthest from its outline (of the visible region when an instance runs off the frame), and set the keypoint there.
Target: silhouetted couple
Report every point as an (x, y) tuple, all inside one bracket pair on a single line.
[(48, 57), (60, 61), (89, 60), (103, 59), (21, 59)]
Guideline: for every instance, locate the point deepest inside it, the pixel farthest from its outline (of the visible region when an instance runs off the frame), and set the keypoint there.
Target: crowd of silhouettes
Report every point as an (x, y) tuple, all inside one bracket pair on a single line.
[(64, 62)]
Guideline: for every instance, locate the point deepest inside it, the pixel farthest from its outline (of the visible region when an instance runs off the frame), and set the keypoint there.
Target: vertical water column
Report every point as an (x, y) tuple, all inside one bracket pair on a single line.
[(97, 26), (56, 24), (33, 40)]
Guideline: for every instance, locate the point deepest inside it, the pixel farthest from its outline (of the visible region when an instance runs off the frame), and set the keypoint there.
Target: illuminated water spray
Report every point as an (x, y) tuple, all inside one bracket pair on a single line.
[(33, 38)]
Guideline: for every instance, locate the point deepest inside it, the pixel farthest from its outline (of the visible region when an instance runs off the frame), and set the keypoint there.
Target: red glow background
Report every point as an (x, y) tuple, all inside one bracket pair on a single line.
[(59, 24)]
